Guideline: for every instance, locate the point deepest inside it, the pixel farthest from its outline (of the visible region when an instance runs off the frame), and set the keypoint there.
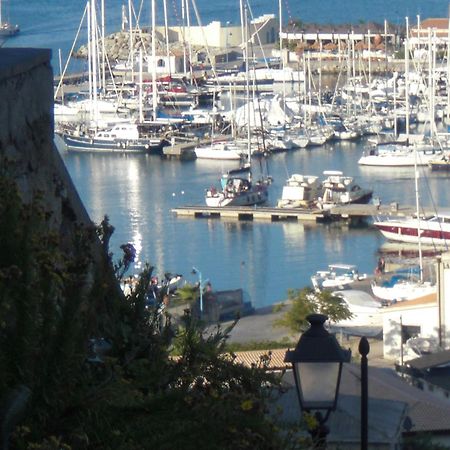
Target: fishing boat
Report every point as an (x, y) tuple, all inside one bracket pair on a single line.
[(121, 138)]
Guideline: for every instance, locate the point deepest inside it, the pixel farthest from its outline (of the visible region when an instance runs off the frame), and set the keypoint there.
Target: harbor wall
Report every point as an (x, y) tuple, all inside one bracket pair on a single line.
[(27, 152)]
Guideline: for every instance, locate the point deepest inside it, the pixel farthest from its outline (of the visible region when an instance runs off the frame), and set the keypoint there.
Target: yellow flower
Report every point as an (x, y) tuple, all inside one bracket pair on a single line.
[(246, 405)]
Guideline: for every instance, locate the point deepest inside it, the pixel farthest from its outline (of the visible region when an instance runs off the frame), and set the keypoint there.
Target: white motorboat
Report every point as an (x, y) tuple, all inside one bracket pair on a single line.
[(434, 229), (366, 311), (300, 190), (337, 276), (339, 189)]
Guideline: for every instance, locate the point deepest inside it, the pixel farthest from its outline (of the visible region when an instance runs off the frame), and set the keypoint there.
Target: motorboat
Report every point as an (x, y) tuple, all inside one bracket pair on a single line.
[(337, 276), (338, 189), (238, 188), (365, 309), (434, 229), (300, 191)]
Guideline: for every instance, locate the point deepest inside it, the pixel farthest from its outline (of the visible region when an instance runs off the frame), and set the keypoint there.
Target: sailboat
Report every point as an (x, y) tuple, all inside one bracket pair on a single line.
[(7, 29), (238, 187), (409, 288)]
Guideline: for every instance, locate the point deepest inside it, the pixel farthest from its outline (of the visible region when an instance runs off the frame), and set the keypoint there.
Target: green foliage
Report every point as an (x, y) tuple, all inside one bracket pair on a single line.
[(306, 301), (56, 297), (259, 345), (278, 307), (186, 294)]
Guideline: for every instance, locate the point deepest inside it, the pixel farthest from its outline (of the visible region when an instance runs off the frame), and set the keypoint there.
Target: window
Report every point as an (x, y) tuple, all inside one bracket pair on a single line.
[(409, 331), (161, 63)]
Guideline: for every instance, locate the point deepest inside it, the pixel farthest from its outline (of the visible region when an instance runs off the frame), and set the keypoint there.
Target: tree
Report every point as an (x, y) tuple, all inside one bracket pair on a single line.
[(307, 301)]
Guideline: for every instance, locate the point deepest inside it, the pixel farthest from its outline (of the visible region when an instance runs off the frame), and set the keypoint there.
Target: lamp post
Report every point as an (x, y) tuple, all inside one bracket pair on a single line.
[(197, 272), (364, 348), (317, 365)]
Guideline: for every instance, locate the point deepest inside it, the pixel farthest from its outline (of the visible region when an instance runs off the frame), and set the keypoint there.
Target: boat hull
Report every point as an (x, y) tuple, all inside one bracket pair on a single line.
[(431, 233), (250, 198), (403, 290), (86, 145)]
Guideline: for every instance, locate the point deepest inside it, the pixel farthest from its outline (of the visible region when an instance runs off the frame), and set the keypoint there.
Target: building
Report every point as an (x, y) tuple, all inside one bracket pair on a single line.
[(427, 319), (262, 31)]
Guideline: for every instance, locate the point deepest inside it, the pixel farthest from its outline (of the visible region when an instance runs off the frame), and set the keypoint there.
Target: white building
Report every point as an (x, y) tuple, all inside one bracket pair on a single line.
[(262, 31), (427, 317)]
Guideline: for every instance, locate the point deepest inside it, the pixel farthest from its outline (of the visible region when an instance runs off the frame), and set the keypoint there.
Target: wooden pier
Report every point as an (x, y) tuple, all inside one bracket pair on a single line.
[(353, 212)]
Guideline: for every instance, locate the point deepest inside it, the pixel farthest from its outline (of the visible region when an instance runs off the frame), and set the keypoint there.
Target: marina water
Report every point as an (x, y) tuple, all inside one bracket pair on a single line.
[(266, 259), (138, 192)]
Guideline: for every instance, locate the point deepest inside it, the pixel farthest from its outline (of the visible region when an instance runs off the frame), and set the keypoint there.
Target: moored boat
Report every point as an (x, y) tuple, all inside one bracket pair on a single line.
[(434, 229), (340, 190), (337, 276), (300, 191), (121, 138), (239, 189)]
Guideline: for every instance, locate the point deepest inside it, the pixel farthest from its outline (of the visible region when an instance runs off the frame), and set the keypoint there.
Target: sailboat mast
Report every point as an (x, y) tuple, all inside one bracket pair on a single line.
[(247, 82), (419, 231), (166, 32), (154, 87), (407, 77), (131, 56)]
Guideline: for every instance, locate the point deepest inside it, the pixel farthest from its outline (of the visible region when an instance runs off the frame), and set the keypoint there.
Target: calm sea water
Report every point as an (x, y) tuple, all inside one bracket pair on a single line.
[(266, 259), (138, 192)]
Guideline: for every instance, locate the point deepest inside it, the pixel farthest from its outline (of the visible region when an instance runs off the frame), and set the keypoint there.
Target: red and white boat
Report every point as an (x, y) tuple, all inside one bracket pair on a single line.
[(433, 229)]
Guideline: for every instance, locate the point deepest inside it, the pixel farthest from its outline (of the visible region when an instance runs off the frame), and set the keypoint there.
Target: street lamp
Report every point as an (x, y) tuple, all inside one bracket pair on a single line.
[(197, 272), (317, 365)]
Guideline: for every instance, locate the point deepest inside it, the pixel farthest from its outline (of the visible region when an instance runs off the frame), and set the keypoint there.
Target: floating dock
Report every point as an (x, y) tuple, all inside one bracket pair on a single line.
[(252, 213), (353, 212)]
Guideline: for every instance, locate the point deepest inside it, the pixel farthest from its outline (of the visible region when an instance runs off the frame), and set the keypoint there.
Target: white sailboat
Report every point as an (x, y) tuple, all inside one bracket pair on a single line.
[(238, 186), (409, 288)]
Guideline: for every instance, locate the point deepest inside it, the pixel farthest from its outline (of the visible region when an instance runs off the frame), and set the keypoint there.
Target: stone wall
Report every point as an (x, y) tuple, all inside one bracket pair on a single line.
[(27, 151)]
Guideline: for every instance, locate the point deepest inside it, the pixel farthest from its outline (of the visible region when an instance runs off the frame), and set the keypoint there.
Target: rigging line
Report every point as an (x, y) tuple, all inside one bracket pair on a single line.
[(197, 15), (256, 32), (434, 206), (71, 51), (286, 3)]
